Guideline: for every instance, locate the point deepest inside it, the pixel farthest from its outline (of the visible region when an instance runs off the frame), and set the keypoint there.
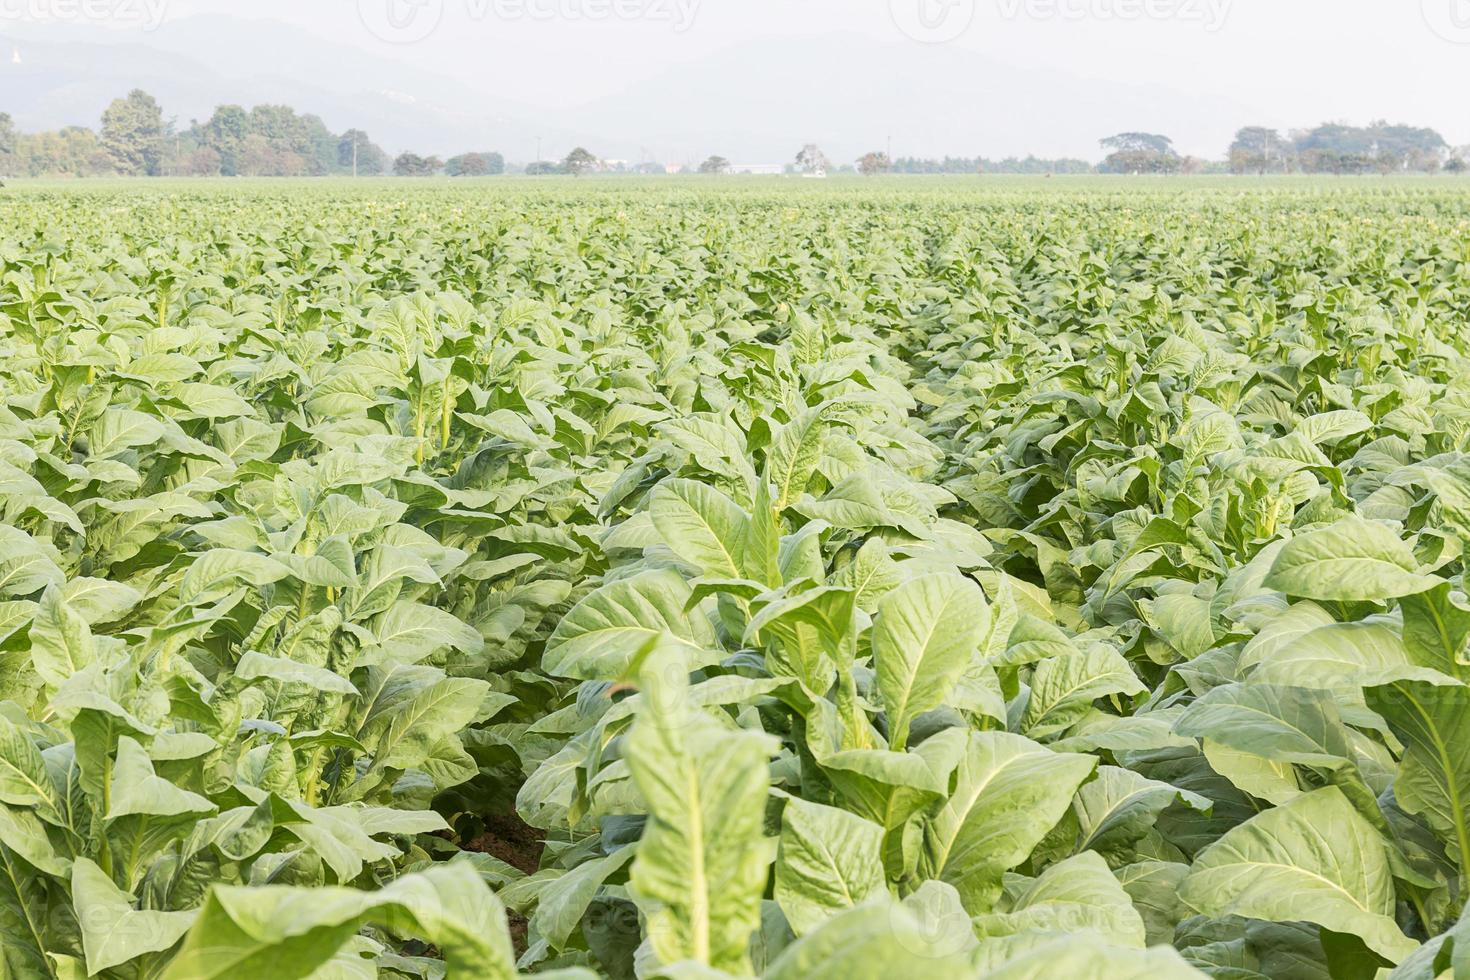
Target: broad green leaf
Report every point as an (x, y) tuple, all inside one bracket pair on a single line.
[(1343, 657), (703, 526), (1008, 793), (926, 633), (1064, 688), (1153, 887), (1119, 807), (23, 832), (1077, 894), (224, 568), (811, 629), (876, 941), (829, 861), (410, 709), (136, 789), (1331, 427), (1287, 724), (1314, 860), (1084, 957), (289, 933), (256, 666), (701, 865), (794, 454), (1352, 561), (113, 933), (1433, 780), (24, 915), (1437, 631), (411, 632), (61, 642), (599, 637), (563, 902), (24, 781)]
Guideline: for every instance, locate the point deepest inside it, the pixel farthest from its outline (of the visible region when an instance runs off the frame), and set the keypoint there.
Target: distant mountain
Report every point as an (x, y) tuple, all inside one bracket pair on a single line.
[(68, 75), (850, 93), (753, 102)]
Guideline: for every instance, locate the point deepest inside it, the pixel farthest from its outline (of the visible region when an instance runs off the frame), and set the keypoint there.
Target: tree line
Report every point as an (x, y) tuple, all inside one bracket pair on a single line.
[(1332, 148), (1337, 148), (135, 139)]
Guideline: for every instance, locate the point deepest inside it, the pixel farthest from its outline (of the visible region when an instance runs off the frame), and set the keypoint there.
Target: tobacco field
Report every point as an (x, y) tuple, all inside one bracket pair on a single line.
[(1001, 579)]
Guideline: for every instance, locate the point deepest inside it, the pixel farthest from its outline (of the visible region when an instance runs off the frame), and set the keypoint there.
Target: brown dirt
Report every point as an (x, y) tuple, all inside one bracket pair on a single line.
[(513, 841), (519, 845)]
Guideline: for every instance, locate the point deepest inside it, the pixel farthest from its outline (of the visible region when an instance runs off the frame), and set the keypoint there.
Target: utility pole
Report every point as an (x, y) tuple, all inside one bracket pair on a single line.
[(538, 149)]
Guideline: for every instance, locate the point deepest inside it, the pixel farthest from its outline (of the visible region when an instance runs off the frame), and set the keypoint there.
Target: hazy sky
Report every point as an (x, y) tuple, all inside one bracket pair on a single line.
[(1359, 53), (1285, 63)]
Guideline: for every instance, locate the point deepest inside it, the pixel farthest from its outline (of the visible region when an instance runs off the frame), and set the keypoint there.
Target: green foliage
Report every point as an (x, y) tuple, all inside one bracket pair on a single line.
[(707, 582)]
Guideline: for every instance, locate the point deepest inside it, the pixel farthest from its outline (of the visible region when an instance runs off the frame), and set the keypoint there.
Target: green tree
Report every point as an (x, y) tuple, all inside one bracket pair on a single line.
[(358, 155), (871, 164), (413, 165), (580, 161), (225, 133), (133, 133), (475, 165), (1341, 149), (1259, 150), (8, 140), (811, 160), (715, 165), (1140, 153)]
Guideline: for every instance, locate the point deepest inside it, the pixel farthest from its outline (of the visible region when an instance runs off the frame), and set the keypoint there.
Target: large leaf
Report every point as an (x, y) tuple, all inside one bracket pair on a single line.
[(703, 526), (876, 941), (1287, 724), (1064, 688), (113, 933), (1316, 859), (1352, 561), (1119, 807), (1077, 894), (291, 932), (926, 632), (794, 454), (1085, 958), (829, 860), (1008, 793), (598, 639), (701, 866), (1434, 775)]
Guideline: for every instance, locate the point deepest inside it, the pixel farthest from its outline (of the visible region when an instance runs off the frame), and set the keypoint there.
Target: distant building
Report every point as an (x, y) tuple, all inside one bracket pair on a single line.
[(675, 168), (758, 169)]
